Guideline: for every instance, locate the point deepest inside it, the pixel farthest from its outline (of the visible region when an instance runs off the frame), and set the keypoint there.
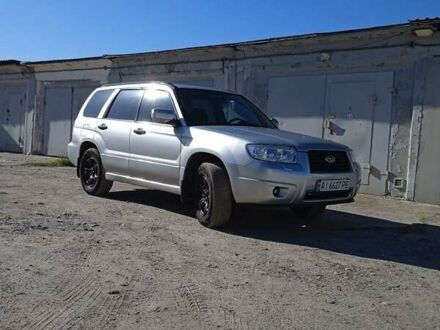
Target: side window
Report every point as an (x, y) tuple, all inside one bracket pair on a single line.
[(125, 105), (93, 108), (154, 99)]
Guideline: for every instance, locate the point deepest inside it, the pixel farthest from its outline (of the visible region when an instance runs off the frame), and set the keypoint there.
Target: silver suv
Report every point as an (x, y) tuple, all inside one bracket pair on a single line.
[(211, 147)]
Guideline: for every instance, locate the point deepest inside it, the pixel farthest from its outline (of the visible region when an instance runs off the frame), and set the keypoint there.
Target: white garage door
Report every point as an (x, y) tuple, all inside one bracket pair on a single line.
[(12, 108), (62, 105), (353, 109), (298, 103)]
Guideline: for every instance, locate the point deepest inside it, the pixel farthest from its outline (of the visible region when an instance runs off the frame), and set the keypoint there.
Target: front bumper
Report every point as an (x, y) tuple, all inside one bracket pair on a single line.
[(255, 182)]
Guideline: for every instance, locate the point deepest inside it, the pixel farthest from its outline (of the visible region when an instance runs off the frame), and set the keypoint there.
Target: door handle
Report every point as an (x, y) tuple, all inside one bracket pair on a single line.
[(139, 131), (102, 126)]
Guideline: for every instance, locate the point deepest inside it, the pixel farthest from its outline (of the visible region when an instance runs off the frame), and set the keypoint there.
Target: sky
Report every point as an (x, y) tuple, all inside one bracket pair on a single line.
[(32, 30)]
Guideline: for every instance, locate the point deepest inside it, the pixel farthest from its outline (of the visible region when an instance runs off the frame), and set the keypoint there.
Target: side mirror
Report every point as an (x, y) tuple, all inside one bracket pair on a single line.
[(275, 122), (164, 116)]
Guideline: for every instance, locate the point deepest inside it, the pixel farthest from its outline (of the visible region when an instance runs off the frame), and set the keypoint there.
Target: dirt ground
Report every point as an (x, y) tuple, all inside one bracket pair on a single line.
[(137, 259)]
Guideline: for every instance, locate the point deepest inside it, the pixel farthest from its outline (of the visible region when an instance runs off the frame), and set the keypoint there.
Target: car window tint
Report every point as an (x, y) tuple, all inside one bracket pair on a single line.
[(235, 109), (95, 104), (125, 105), (207, 107), (154, 99)]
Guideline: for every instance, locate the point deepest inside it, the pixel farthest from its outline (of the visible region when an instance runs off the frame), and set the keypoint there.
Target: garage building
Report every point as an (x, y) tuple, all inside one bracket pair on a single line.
[(376, 90)]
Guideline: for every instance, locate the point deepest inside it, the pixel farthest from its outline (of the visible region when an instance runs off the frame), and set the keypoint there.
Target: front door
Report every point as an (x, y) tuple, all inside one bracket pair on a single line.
[(358, 115), (155, 147)]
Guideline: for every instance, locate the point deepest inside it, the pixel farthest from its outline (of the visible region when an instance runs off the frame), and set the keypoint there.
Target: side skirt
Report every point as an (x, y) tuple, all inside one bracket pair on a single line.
[(144, 183)]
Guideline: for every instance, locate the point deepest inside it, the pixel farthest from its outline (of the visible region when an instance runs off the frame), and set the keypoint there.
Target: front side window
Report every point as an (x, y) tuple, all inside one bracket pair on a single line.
[(205, 107), (125, 105), (95, 104), (154, 99)]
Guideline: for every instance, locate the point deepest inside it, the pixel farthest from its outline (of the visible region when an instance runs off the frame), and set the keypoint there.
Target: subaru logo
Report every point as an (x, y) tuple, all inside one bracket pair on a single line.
[(330, 159)]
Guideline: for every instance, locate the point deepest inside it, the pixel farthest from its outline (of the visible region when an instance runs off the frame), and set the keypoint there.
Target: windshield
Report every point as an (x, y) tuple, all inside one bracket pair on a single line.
[(204, 107)]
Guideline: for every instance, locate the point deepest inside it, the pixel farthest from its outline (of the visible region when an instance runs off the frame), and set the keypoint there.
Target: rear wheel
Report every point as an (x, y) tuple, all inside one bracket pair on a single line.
[(213, 196), (309, 212), (92, 174)]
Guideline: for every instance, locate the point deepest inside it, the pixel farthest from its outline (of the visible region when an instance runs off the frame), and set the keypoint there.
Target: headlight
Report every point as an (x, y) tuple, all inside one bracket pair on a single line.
[(272, 153)]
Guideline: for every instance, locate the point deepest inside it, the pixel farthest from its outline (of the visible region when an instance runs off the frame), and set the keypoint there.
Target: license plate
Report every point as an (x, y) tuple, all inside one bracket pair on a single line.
[(333, 185)]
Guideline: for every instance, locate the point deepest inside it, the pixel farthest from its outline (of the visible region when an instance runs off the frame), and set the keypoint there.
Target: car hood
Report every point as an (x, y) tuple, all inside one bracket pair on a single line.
[(273, 136)]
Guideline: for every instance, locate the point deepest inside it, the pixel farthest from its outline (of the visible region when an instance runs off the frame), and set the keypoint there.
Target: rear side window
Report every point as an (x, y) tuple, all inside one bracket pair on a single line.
[(154, 99), (125, 105), (93, 108)]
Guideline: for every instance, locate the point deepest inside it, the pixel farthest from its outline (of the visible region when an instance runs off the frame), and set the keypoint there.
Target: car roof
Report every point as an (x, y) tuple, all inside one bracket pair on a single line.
[(144, 84)]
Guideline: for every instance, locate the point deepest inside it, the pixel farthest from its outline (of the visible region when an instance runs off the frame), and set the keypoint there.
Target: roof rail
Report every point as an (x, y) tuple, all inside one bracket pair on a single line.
[(138, 83)]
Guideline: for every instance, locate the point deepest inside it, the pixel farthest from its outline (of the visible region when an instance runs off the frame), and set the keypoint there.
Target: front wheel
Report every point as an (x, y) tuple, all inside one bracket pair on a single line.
[(92, 174), (213, 200)]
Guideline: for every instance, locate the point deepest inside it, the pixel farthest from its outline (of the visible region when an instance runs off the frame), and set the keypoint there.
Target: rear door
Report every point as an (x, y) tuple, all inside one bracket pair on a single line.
[(155, 147), (114, 130)]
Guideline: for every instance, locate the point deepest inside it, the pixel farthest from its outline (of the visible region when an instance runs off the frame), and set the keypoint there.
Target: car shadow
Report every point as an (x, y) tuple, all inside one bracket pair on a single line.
[(336, 231), (154, 198)]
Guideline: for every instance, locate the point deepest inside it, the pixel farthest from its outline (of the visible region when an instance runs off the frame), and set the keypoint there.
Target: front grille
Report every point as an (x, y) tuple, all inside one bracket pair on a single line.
[(318, 163), (316, 195)]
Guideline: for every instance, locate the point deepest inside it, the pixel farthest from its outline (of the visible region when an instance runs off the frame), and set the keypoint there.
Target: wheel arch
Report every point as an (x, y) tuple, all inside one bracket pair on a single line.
[(82, 149), (194, 161)]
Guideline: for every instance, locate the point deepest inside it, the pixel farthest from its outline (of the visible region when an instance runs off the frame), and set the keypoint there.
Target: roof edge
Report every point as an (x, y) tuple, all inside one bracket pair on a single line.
[(415, 22)]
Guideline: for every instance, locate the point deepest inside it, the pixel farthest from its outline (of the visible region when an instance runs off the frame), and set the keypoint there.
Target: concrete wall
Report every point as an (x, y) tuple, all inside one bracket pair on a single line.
[(248, 68), (428, 164)]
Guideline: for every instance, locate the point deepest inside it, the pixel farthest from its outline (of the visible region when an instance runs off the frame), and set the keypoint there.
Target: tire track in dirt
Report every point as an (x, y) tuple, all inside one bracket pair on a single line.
[(194, 300), (189, 297), (76, 294), (77, 289)]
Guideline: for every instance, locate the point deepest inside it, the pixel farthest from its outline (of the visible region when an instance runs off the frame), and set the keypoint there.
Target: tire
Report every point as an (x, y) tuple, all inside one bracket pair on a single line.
[(310, 212), (92, 174), (213, 196)]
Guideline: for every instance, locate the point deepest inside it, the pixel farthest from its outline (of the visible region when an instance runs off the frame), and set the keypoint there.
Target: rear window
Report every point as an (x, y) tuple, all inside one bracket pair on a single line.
[(125, 105), (93, 108)]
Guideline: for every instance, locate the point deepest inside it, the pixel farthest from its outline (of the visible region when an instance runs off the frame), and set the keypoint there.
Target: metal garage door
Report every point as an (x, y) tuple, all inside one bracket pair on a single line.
[(12, 119), (62, 105), (298, 103), (358, 111), (427, 188), (353, 109)]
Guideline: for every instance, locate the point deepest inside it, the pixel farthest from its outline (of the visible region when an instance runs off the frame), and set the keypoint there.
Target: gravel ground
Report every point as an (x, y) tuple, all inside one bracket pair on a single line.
[(137, 259)]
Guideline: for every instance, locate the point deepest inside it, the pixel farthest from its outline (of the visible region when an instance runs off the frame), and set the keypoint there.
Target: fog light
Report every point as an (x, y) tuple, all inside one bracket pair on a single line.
[(276, 191)]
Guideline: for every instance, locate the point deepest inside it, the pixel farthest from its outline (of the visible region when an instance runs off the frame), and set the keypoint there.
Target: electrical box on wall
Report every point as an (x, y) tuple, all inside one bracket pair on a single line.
[(399, 183)]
